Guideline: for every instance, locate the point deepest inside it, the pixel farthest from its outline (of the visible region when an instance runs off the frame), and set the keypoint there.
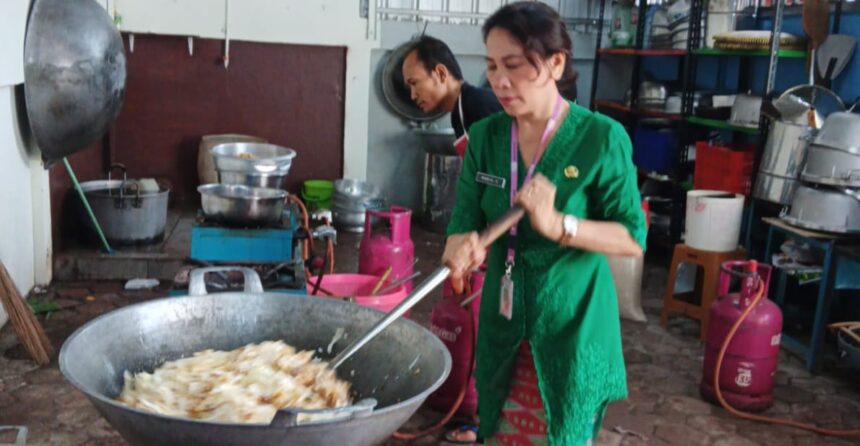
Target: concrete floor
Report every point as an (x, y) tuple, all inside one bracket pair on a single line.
[(663, 365)]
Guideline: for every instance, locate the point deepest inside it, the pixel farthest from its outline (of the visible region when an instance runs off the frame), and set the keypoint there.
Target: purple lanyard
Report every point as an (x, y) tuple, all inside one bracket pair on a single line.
[(515, 166)]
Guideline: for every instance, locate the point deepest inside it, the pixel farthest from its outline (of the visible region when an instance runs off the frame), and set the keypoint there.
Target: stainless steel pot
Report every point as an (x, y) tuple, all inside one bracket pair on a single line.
[(825, 209), (74, 71), (440, 190), (826, 165), (126, 214), (238, 205), (746, 111), (652, 95), (784, 153), (350, 200), (840, 131), (398, 369), (253, 164)]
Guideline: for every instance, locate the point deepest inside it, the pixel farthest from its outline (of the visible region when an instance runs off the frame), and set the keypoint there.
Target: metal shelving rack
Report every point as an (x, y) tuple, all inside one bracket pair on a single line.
[(686, 76), (691, 125)]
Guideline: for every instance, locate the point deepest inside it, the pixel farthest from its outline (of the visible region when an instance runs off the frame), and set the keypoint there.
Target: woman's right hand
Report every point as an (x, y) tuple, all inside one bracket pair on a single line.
[(463, 253)]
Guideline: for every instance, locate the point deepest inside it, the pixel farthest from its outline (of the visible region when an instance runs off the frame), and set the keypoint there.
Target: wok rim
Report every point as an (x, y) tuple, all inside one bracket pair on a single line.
[(63, 359)]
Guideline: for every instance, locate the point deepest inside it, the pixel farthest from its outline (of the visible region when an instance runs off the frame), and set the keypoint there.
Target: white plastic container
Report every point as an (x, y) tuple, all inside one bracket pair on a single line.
[(713, 220)]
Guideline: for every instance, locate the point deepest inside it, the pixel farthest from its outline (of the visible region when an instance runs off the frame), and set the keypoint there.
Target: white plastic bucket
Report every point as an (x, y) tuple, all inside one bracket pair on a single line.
[(714, 220)]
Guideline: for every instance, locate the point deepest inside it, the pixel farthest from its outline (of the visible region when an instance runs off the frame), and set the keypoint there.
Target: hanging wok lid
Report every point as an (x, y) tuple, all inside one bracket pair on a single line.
[(74, 72)]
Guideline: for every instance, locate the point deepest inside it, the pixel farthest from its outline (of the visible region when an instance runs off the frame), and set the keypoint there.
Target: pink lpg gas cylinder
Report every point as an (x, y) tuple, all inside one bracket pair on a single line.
[(388, 248), (746, 374), (457, 327)]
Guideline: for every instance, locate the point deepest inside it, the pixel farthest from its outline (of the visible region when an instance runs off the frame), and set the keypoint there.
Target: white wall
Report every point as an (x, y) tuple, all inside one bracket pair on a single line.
[(25, 226), (316, 22)]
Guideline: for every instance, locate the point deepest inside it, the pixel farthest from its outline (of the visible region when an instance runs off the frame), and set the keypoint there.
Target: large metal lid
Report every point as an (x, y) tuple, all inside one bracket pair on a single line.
[(795, 103), (74, 71), (395, 90)]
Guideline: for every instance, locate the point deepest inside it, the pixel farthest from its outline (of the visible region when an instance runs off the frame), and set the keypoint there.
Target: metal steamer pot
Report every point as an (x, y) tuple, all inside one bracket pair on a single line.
[(238, 205), (127, 214), (391, 376), (825, 209), (834, 156)]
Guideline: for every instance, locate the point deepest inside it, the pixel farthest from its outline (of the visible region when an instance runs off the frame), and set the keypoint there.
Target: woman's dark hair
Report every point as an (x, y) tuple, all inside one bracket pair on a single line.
[(432, 51), (540, 31)]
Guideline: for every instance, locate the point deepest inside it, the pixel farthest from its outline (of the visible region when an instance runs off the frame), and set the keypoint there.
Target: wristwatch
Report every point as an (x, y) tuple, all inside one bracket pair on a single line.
[(570, 226)]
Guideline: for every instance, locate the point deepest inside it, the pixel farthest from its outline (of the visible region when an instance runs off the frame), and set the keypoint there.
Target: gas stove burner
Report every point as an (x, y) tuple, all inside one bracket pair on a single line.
[(286, 276)]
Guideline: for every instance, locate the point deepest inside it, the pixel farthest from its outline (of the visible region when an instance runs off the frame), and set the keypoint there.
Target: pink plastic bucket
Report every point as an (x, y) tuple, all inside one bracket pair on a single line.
[(360, 286)]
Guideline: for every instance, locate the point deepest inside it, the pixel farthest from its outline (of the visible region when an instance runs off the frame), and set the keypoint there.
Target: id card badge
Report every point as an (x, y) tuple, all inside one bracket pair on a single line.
[(460, 145), (506, 297)]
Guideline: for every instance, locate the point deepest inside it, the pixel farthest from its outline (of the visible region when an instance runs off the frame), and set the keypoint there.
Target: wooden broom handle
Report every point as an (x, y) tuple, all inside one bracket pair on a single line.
[(497, 228)]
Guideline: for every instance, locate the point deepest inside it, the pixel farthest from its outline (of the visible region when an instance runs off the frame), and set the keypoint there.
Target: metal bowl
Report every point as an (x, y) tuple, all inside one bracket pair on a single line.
[(238, 205), (841, 131), (252, 157), (826, 165), (356, 189), (263, 180), (398, 369), (825, 209)]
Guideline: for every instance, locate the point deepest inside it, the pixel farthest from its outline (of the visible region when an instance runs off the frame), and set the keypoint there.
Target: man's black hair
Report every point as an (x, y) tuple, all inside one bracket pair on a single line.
[(432, 51)]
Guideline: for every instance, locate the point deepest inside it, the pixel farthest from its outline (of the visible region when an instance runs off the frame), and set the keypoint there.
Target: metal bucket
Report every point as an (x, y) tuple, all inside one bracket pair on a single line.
[(398, 369), (440, 185), (127, 215)]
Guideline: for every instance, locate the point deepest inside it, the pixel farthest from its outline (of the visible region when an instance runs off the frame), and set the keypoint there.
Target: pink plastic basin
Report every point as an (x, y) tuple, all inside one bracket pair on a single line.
[(360, 286)]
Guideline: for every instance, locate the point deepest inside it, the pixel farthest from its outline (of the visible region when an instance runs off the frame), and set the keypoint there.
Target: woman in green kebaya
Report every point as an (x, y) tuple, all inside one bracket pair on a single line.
[(549, 355)]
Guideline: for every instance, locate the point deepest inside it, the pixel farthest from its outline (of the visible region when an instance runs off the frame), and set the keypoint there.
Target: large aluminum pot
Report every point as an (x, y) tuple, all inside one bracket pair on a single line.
[(238, 205), (784, 153), (206, 172), (253, 164), (826, 165), (825, 209), (127, 215), (74, 71), (398, 369), (435, 140)]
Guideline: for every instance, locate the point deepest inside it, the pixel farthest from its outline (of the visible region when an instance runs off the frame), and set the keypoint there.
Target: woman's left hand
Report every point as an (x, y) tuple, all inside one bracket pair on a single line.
[(537, 198)]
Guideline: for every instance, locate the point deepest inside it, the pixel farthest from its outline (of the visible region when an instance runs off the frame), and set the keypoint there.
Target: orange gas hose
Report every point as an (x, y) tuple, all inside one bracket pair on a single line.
[(305, 222), (761, 418)]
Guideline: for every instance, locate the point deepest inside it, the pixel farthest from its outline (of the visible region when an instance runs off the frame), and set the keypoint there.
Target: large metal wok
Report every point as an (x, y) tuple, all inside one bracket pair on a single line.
[(398, 369), (74, 71)]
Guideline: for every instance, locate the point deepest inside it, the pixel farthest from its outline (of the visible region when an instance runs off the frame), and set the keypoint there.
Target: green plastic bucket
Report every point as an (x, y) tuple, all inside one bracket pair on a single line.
[(317, 193)]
